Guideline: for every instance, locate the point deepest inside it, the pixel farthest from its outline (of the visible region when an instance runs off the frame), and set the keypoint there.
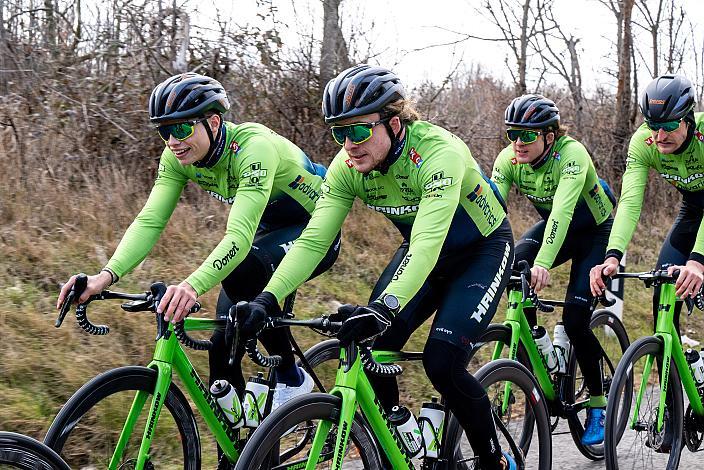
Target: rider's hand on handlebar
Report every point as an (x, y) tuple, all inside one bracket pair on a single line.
[(177, 302), (539, 278), (363, 322), (96, 284), (689, 282), (253, 314), (596, 281)]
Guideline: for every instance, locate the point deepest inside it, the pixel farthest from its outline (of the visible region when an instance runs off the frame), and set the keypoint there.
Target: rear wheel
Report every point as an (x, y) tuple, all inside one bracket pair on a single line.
[(524, 401), (521, 430), (18, 451), (288, 433)]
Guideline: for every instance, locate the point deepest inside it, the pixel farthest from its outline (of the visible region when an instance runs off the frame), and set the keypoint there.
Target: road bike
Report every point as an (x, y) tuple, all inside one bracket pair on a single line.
[(566, 393)]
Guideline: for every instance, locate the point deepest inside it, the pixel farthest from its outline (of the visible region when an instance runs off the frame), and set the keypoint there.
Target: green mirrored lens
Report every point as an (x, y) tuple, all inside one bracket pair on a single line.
[(527, 137), (357, 133), (181, 130), (667, 126)]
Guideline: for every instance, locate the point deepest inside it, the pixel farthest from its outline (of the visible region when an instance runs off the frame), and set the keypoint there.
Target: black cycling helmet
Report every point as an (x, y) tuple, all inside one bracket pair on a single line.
[(532, 111), (186, 96), (667, 98), (360, 90)]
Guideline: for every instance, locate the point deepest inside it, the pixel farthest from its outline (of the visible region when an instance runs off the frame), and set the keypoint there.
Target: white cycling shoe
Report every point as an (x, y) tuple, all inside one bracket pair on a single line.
[(283, 392)]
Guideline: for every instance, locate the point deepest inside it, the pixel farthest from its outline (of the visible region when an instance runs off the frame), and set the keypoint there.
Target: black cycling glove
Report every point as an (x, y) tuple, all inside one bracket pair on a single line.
[(363, 322)]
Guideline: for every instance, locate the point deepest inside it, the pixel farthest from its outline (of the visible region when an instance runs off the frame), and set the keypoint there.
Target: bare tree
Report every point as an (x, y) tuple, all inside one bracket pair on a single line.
[(561, 58), (652, 17), (516, 20), (334, 56), (622, 10), (677, 39)]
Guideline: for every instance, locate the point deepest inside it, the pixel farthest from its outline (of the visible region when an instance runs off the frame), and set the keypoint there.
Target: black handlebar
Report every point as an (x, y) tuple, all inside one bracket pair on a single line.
[(144, 302), (322, 324)]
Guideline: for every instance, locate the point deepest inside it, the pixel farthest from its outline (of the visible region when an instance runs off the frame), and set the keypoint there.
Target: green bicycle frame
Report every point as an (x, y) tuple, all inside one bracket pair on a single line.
[(517, 323), (169, 357), (672, 349), (353, 387)]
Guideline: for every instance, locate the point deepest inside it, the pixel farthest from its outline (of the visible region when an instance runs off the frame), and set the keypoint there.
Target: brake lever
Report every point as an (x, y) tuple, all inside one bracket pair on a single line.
[(158, 289), (77, 289), (234, 324)]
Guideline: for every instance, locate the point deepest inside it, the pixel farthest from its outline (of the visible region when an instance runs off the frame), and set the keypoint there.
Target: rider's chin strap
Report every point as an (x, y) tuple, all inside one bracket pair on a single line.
[(394, 151), (692, 125), (546, 154), (215, 150)]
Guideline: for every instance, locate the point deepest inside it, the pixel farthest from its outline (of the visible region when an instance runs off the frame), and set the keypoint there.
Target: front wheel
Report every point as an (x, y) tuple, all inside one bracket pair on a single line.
[(86, 430), (18, 451), (288, 433), (612, 336), (643, 442), (524, 401)]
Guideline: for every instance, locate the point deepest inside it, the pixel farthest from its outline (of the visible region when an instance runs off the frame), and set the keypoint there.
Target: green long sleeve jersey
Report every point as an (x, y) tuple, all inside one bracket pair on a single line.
[(563, 187), (685, 171), (258, 173), (434, 193)]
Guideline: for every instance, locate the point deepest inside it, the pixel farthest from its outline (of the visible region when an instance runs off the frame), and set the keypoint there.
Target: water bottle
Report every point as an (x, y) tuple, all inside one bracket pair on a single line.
[(226, 396), (695, 362), (406, 429), (432, 417), (561, 342), (255, 394), (542, 339)]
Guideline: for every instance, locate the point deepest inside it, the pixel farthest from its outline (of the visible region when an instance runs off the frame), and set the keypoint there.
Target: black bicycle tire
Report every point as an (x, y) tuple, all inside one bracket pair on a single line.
[(124, 379), (24, 452), (500, 332), (301, 409), (505, 369), (639, 348), (600, 317)]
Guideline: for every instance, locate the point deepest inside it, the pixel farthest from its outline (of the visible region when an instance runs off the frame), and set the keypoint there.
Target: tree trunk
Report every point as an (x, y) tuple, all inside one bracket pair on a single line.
[(334, 56), (622, 127), (521, 87), (50, 35)]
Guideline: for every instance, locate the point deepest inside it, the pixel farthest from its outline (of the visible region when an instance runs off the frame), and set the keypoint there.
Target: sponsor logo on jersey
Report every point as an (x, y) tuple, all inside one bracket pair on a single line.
[(540, 200), (438, 181), (481, 200), (402, 266), (306, 188), (649, 141), (699, 136), (491, 292), (222, 262), (348, 162), (514, 161), (397, 210), (287, 246), (221, 198), (235, 147), (571, 169), (415, 157), (255, 173), (678, 180), (594, 193), (556, 156), (553, 232)]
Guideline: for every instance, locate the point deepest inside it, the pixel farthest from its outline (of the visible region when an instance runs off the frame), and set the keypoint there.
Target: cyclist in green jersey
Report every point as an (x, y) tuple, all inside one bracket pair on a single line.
[(272, 187), (670, 141), (457, 250), (556, 173)]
